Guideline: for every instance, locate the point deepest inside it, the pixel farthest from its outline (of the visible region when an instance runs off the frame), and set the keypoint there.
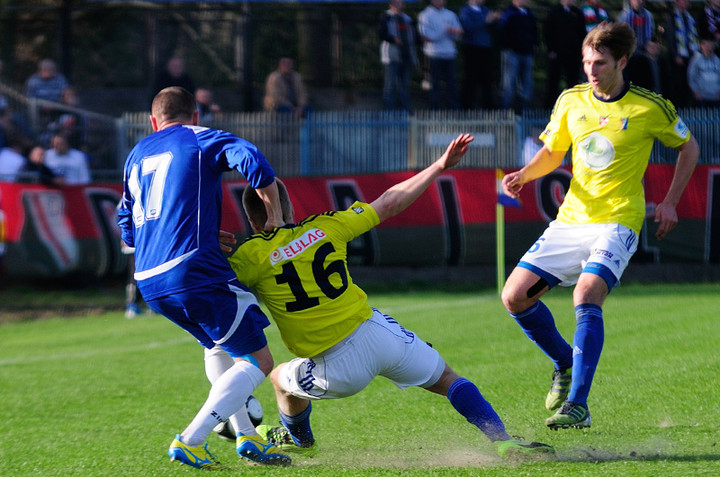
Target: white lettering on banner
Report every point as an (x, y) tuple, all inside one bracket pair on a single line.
[(443, 139), (297, 246)]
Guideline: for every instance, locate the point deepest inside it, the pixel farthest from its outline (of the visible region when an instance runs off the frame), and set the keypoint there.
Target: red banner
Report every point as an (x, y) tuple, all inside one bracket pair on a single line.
[(54, 231)]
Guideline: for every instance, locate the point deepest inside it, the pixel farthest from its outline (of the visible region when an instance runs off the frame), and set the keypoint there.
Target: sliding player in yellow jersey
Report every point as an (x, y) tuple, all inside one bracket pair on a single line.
[(610, 125), (300, 272)]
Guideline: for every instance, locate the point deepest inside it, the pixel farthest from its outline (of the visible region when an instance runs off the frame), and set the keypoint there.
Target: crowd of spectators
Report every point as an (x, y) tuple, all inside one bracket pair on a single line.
[(500, 51), (477, 58)]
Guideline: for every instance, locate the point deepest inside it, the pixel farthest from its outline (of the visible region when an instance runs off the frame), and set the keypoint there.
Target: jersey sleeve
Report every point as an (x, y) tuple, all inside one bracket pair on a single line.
[(353, 222), (672, 132), (556, 135), (232, 152)]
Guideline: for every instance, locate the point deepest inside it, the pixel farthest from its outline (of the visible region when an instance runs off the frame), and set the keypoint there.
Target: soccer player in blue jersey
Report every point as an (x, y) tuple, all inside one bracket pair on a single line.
[(610, 125), (342, 343), (170, 213)]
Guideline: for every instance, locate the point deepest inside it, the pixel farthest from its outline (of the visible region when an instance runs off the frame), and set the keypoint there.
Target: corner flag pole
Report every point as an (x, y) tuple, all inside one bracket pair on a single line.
[(499, 234)]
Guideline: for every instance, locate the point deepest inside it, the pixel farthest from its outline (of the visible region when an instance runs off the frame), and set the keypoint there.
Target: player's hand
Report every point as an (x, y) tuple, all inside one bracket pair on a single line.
[(227, 239), (512, 184), (456, 150), (666, 216)]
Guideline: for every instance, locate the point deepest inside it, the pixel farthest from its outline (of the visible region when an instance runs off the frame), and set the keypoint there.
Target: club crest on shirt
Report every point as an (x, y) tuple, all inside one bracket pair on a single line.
[(296, 247), (603, 120), (623, 123)]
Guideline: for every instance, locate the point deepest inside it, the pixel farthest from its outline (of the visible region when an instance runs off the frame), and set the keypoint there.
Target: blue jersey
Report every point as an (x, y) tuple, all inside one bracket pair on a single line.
[(172, 198)]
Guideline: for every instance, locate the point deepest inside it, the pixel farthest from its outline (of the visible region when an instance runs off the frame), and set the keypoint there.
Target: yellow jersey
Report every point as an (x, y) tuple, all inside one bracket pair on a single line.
[(300, 272), (611, 144)]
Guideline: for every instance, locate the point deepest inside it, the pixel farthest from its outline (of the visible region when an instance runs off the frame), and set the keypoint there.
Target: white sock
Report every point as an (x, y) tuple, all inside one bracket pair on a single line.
[(217, 361), (228, 393)]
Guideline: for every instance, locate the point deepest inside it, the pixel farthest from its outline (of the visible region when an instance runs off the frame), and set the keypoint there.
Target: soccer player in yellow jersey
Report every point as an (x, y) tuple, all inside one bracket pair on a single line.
[(300, 271), (610, 125)]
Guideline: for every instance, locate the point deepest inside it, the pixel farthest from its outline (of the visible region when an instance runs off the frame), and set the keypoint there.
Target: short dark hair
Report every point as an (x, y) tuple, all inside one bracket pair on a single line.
[(174, 104), (255, 207), (617, 38)]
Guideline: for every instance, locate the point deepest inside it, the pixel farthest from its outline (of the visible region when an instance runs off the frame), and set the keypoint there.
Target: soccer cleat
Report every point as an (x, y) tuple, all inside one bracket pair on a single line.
[(559, 389), (280, 438), (518, 449), (198, 457), (569, 415), (257, 450)]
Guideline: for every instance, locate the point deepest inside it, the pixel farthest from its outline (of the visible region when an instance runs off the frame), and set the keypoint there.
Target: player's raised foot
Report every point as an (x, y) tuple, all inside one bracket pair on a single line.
[(569, 415), (280, 438), (559, 389), (198, 457), (515, 449), (256, 450)]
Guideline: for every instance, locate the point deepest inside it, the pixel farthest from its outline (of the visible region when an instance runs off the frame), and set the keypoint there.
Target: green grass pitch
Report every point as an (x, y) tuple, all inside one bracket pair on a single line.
[(102, 395)]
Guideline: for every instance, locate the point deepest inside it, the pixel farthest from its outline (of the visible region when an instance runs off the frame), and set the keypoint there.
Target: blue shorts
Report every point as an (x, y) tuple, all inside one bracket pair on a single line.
[(226, 314)]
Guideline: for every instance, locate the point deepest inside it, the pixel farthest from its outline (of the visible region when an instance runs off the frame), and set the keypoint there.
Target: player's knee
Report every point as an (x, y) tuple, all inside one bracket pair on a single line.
[(513, 301), (275, 376)]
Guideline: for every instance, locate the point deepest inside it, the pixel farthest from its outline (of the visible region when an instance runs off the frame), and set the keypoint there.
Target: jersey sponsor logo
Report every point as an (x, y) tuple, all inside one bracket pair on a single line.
[(603, 253), (681, 129), (297, 246), (596, 151)]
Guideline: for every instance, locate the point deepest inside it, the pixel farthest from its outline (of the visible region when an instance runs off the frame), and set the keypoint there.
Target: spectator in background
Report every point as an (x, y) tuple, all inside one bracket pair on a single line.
[(13, 127), (68, 123), (640, 20), (709, 21), (594, 14), (285, 90), (476, 20), (173, 74), (564, 34), (11, 161), (66, 162), (208, 111), (397, 54), (649, 69), (681, 41), (36, 171), (518, 43), (47, 83), (439, 30), (703, 74)]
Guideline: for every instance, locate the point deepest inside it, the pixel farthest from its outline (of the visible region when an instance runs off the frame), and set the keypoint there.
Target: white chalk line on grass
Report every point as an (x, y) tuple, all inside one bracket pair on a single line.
[(95, 352)]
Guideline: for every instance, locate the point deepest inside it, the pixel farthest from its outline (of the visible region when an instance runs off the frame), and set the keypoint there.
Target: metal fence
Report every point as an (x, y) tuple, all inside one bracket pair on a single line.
[(348, 142), (359, 142)]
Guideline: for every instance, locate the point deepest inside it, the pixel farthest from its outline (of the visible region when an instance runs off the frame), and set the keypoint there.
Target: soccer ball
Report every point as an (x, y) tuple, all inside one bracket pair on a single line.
[(255, 412)]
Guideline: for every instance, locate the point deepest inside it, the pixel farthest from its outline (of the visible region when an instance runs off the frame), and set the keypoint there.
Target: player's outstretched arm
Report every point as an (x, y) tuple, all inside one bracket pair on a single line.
[(398, 197), (270, 197)]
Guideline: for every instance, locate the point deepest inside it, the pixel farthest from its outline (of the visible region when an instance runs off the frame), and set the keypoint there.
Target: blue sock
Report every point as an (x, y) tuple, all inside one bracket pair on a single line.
[(538, 324), (588, 343), (299, 427), (467, 400)]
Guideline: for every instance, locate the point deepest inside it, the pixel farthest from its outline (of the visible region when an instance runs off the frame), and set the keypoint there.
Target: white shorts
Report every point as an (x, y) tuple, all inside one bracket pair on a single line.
[(378, 347), (564, 251)]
